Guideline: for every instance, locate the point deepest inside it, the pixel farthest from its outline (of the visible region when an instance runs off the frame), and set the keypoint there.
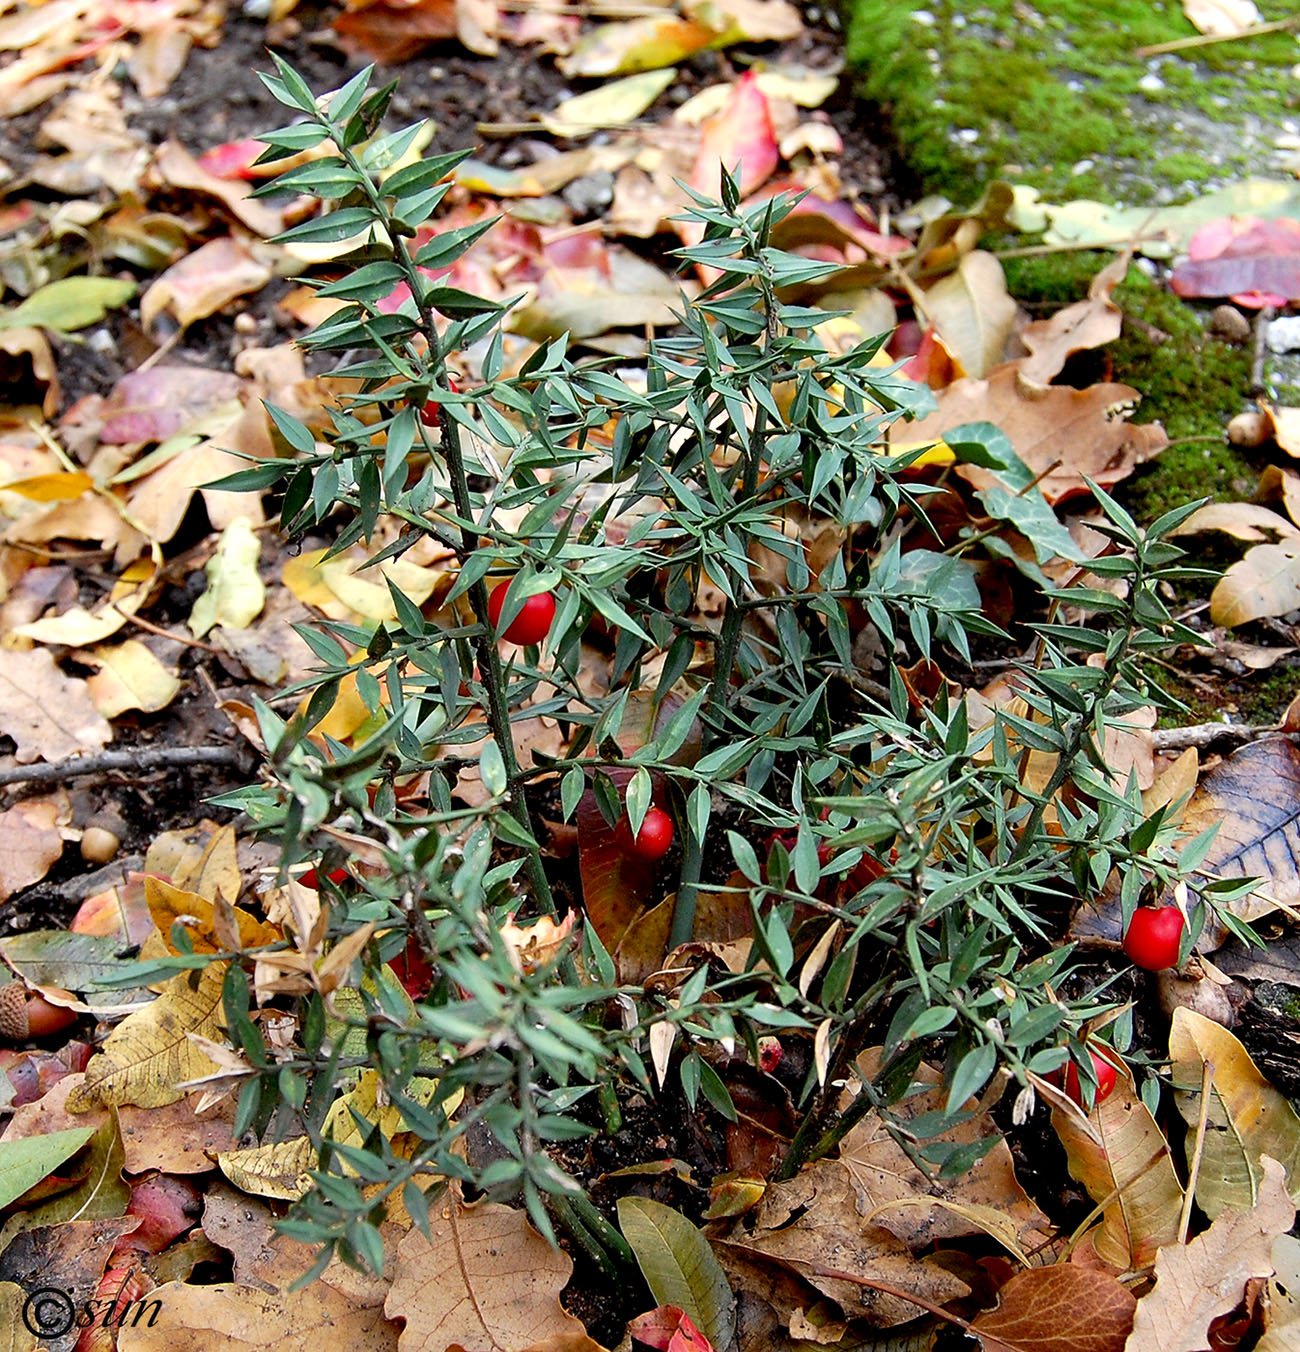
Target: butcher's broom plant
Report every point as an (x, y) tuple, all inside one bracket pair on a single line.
[(903, 875)]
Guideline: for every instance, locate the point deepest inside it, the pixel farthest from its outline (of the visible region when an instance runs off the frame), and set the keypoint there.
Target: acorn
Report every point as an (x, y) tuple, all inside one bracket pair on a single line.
[(24, 1015), (99, 844)]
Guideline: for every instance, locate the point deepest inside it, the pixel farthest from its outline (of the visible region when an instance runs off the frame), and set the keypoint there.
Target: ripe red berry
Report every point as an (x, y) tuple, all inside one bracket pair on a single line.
[(653, 840), (1153, 937), (312, 879), (429, 413), (533, 622), (1104, 1072)]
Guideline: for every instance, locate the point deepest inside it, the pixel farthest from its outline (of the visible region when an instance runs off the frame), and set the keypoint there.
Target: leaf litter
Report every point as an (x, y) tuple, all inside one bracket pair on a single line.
[(185, 601)]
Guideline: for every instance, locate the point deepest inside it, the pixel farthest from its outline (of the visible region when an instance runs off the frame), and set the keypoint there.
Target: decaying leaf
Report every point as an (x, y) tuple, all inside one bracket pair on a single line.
[(1059, 432), (1263, 584), (1091, 322), (1222, 18), (202, 282), (1253, 799), (972, 313), (49, 715), (30, 842), (1248, 1120), (235, 594), (1197, 1282), (486, 1278)]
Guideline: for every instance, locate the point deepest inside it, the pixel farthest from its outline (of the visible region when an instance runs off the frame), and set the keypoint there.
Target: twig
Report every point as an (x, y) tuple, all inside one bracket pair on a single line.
[(1185, 1219), (183, 639), (1257, 30), (1201, 735), (150, 758), (1262, 321)]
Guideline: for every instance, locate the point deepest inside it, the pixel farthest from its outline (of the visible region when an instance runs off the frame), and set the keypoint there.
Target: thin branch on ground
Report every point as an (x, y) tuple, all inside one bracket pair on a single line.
[(1201, 735), (145, 759)]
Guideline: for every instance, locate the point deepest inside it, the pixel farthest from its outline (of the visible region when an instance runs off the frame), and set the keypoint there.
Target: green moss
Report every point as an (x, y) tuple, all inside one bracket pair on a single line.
[(1053, 94)]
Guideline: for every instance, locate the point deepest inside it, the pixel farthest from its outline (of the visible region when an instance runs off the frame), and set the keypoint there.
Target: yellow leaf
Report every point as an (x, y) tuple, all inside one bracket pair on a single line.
[(235, 593), (59, 487), (78, 627), (150, 1052), (129, 677), (1248, 1119), (279, 1170), (169, 904)]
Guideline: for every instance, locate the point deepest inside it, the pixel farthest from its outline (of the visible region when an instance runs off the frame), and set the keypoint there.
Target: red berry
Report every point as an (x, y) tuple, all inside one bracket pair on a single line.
[(653, 840), (312, 879), (1154, 936), (429, 413), (533, 622), (1104, 1072)]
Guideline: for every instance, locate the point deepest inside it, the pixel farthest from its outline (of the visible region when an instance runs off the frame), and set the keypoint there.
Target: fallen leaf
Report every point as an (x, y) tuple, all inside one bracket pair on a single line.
[(68, 304), (1253, 799), (202, 282), (1197, 1282), (1248, 1120), (1062, 1308), (235, 594), (129, 677), (279, 1169), (972, 313), (49, 715), (678, 1266), (738, 139), (1263, 584), (228, 1317), (1222, 18), (668, 1329), (1242, 520), (153, 404), (395, 32), (1087, 323), (484, 1279), (1253, 261), (892, 1192), (177, 168), (24, 1162), (1059, 432), (810, 1227), (646, 43), (30, 842), (1122, 1158), (149, 1053), (610, 105)]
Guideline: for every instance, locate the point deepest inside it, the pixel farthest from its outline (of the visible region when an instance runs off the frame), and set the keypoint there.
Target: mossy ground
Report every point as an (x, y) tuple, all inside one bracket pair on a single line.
[(1053, 94)]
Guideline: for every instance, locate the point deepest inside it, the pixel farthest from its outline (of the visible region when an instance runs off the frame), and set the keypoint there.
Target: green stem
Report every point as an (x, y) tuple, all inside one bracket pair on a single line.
[(489, 659)]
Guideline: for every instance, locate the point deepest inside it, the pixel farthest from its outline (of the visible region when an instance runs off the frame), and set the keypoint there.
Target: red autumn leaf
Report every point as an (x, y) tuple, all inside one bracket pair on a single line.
[(1058, 1309), (668, 1329), (393, 31), (1255, 262), (739, 134), (232, 159)]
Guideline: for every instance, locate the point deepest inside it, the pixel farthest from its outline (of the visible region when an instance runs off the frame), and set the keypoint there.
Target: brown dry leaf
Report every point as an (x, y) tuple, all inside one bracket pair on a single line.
[(1242, 520), (1254, 798), (228, 1317), (78, 627), (972, 313), (30, 842), (396, 31), (35, 346), (1064, 1308), (49, 715), (1248, 1119), (486, 1279), (175, 1138), (1197, 1282), (893, 1193), (150, 1051), (1080, 429), (1090, 322), (1277, 484), (1126, 1159), (14, 1336), (129, 677), (810, 1226), (177, 168), (1264, 584), (1175, 783), (159, 501), (201, 283)]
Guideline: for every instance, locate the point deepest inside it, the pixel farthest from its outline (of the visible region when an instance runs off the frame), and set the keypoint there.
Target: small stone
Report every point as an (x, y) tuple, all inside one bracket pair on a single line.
[(1284, 334), (245, 322), (589, 195), (1251, 428), (1151, 83), (1226, 321)]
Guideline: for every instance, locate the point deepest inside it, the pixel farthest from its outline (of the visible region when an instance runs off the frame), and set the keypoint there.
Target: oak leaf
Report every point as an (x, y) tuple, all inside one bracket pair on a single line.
[(48, 714), (1063, 1308)]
